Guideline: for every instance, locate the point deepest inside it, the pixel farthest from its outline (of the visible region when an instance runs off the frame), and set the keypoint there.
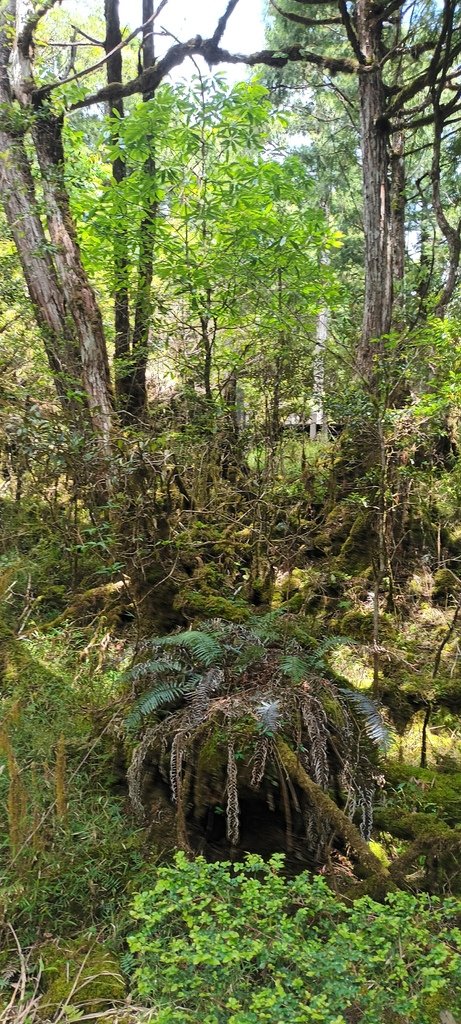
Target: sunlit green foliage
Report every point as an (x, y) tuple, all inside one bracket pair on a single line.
[(239, 944)]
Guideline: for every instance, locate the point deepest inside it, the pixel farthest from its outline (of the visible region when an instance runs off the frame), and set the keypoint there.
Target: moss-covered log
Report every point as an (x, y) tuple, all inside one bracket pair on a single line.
[(367, 863)]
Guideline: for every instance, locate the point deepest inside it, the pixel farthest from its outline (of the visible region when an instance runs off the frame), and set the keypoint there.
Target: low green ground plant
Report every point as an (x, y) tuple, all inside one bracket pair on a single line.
[(242, 944)]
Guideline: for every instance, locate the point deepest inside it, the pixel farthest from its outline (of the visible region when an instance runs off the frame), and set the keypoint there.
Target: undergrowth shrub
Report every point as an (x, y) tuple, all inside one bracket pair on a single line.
[(242, 944), (69, 856)]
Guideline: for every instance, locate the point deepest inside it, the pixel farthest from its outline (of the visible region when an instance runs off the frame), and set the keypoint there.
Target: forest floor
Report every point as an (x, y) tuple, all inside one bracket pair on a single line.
[(74, 853)]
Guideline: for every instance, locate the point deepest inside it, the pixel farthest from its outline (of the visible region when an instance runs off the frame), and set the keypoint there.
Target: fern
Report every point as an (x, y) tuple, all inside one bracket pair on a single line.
[(295, 667), (153, 668), (265, 626), (224, 673), (164, 693), (128, 962), (249, 656), (203, 646), (376, 728), (317, 662), (298, 667)]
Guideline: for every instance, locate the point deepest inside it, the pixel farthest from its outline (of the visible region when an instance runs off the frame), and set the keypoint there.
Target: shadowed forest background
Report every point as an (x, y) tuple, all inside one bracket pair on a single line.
[(230, 586)]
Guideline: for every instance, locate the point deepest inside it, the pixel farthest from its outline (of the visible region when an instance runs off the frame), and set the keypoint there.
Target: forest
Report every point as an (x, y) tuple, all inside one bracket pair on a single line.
[(230, 491)]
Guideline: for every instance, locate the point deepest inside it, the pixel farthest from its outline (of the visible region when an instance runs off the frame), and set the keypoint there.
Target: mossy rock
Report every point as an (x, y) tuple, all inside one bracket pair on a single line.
[(292, 589), (446, 584), (336, 530), (79, 975), (407, 825), (197, 604), (355, 551), (357, 624), (429, 790)]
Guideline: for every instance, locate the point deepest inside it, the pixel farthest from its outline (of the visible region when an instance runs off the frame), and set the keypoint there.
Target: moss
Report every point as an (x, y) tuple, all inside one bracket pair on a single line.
[(427, 790), (366, 862), (295, 603), (436, 1004), (412, 825), (446, 584), (355, 551), (295, 590), (357, 624), (333, 709), (209, 776), (379, 852), (261, 590), (78, 975), (210, 606), (377, 887), (107, 597)]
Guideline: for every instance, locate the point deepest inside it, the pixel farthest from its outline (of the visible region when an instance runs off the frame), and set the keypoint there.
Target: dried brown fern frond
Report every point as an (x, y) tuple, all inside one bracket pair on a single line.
[(259, 761), (233, 806)]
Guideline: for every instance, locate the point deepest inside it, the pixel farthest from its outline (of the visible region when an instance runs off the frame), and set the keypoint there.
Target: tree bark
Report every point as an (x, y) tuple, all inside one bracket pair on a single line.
[(59, 288), (398, 222), (19, 201), (377, 313), (120, 246), (23, 218), (138, 396), (76, 289)]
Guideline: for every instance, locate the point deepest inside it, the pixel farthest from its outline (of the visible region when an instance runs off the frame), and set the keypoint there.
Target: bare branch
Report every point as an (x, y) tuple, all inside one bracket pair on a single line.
[(26, 37), (428, 77), (63, 46), (150, 79), (350, 31), (95, 42), (45, 90), (301, 20), (222, 23)]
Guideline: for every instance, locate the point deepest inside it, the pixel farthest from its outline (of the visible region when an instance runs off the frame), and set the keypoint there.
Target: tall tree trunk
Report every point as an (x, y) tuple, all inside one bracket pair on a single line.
[(77, 291), (377, 313), (398, 223), (58, 284), (318, 390), (22, 214), (138, 398), (19, 201), (120, 246)]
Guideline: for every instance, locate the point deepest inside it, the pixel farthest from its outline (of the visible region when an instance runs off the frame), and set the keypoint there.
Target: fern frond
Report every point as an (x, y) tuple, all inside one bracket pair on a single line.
[(315, 721), (295, 667), (203, 646), (329, 644), (152, 668), (268, 712), (259, 762), (164, 693), (200, 697), (265, 626), (376, 728), (249, 656)]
